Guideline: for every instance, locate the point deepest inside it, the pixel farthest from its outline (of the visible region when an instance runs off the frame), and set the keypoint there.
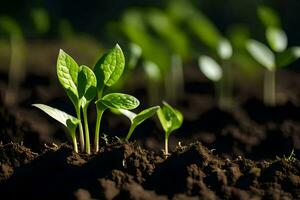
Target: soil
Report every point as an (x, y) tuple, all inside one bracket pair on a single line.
[(250, 152)]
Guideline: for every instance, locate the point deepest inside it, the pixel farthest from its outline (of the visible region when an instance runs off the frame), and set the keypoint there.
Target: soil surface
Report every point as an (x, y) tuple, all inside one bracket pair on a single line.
[(249, 152)]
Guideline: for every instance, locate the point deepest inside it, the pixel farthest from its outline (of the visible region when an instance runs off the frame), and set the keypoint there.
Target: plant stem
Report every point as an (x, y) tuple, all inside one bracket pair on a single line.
[(269, 88), (166, 145), (81, 137), (75, 143), (129, 133), (86, 130), (97, 129)]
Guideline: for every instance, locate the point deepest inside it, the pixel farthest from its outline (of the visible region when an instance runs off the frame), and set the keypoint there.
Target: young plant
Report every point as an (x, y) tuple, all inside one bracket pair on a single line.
[(170, 119), (108, 71), (80, 86), (67, 120), (137, 119), (281, 56), (213, 71)]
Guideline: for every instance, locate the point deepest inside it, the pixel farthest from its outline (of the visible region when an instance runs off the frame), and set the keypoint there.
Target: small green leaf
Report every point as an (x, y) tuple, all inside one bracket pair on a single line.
[(210, 68), (288, 56), (67, 72), (110, 67), (268, 16), (87, 83), (224, 49), (143, 115), (277, 39), (170, 118), (262, 54), (119, 101), (67, 120), (152, 70), (137, 119)]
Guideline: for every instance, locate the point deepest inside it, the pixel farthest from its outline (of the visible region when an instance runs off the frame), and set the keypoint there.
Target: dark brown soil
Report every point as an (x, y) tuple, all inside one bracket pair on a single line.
[(217, 154), (126, 171)]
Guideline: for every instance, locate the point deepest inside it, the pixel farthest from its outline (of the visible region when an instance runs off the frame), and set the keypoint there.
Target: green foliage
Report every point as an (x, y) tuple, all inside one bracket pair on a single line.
[(67, 120), (137, 119), (288, 56), (170, 118), (119, 101), (224, 49), (277, 39), (268, 16), (109, 67), (262, 54), (210, 68)]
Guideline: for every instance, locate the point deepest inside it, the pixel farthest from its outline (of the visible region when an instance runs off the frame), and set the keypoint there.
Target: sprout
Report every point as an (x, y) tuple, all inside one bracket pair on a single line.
[(137, 119), (170, 119), (108, 71), (282, 56), (82, 85)]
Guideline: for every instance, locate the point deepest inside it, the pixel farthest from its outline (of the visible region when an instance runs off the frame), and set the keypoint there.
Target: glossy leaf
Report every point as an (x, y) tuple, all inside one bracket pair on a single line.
[(67, 72), (288, 56), (210, 68), (67, 120), (110, 67), (277, 39), (224, 49), (137, 119), (87, 83), (170, 118), (119, 101), (262, 54)]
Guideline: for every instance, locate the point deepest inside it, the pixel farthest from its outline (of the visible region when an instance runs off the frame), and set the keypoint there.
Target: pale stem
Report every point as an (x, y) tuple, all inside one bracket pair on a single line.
[(81, 136), (86, 131), (97, 129), (75, 143), (270, 88), (130, 132), (166, 145)]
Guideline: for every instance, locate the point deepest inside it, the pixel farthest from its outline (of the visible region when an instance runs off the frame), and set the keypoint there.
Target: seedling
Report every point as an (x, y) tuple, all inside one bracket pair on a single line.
[(170, 119), (137, 119), (213, 71), (281, 57), (67, 120), (108, 71), (17, 69), (82, 85)]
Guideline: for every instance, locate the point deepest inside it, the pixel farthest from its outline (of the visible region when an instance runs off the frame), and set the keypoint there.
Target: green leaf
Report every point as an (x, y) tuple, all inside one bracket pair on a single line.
[(261, 53), (119, 101), (87, 83), (224, 49), (67, 120), (67, 72), (110, 67), (152, 71), (268, 16), (137, 119), (143, 115), (277, 39), (210, 68), (170, 118), (288, 56)]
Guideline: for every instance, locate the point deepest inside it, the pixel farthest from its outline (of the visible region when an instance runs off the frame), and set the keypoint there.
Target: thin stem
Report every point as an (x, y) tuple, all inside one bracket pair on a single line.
[(166, 145), (86, 131), (97, 129), (75, 143), (269, 88), (130, 132), (81, 137)]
